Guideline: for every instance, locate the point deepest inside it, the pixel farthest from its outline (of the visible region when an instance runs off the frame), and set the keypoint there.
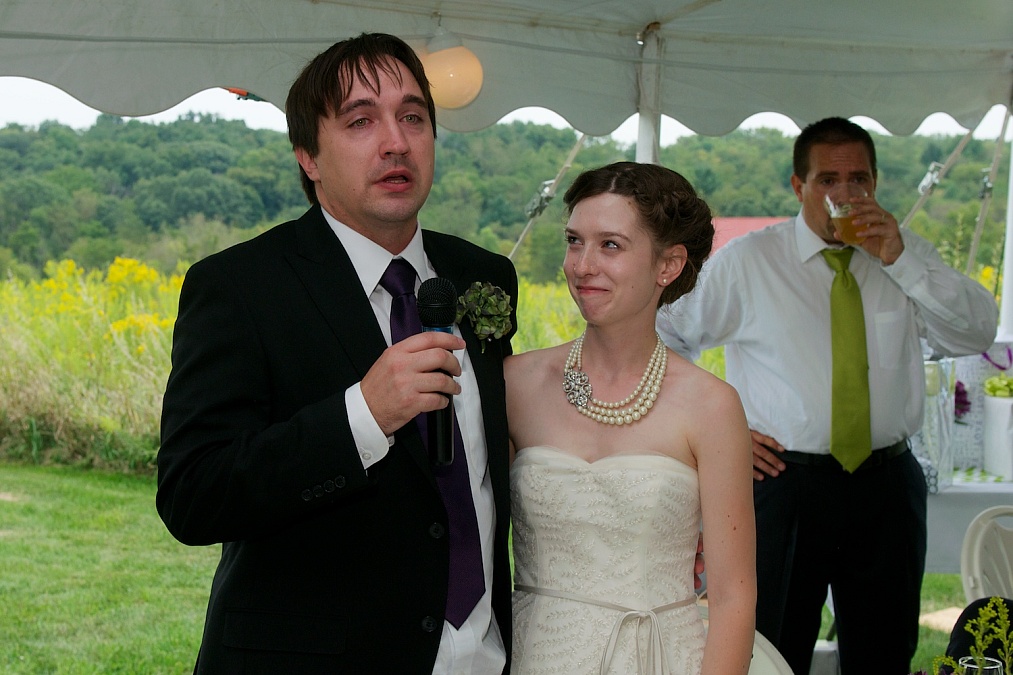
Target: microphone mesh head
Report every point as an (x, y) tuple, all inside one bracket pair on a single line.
[(437, 302)]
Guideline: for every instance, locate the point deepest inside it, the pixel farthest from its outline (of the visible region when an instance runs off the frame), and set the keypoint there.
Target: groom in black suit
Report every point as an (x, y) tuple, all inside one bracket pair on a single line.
[(288, 426)]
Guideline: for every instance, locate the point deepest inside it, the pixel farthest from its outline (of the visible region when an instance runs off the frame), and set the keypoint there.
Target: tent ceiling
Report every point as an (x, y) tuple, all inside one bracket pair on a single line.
[(721, 60)]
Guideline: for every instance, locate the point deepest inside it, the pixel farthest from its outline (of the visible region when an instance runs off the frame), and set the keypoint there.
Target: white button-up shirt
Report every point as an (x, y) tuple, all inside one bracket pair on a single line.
[(476, 647), (766, 297)]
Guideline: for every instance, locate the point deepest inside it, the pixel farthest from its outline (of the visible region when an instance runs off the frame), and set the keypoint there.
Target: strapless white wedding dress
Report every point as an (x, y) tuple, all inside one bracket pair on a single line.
[(603, 556)]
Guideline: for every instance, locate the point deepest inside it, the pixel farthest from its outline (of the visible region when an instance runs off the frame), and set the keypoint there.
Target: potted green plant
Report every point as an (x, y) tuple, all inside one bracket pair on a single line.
[(998, 426)]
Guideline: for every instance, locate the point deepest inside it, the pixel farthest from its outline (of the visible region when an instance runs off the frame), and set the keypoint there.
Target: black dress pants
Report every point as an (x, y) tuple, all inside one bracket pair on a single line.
[(862, 534)]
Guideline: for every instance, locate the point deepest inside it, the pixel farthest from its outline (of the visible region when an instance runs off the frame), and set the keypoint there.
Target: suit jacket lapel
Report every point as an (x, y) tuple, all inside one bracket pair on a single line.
[(324, 268), (326, 271)]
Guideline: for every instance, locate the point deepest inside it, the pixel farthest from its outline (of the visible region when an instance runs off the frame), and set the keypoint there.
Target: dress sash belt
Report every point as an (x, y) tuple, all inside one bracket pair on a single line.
[(655, 660)]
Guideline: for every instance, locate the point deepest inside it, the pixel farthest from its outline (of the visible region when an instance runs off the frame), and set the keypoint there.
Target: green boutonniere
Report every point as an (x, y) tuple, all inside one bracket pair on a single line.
[(488, 308)]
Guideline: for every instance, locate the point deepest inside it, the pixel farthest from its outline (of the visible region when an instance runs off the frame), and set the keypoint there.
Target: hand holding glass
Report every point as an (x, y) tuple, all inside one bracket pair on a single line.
[(838, 203)]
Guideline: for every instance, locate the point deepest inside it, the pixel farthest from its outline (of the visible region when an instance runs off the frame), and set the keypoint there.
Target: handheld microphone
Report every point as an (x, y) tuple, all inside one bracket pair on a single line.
[(437, 303)]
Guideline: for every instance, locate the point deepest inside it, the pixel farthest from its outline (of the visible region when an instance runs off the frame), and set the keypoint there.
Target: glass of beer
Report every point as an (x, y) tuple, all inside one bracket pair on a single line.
[(838, 202), (981, 666)]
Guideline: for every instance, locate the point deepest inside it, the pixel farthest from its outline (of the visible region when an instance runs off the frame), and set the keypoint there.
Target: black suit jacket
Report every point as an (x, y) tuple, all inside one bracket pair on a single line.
[(325, 567)]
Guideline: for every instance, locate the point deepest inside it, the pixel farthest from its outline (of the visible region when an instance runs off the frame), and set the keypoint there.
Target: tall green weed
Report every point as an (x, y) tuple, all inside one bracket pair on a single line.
[(86, 357), (546, 316)]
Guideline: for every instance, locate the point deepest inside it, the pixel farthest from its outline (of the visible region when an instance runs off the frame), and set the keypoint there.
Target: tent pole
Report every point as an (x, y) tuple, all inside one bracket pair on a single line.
[(1005, 333), (649, 105)]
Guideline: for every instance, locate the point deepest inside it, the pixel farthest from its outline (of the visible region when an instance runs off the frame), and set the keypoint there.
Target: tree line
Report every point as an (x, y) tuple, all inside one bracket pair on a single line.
[(172, 193)]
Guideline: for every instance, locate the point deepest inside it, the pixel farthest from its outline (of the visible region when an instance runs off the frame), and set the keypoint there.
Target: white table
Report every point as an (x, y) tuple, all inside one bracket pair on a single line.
[(950, 512)]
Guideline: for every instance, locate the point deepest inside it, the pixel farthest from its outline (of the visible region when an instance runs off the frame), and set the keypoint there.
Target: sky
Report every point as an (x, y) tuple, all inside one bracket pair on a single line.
[(30, 102)]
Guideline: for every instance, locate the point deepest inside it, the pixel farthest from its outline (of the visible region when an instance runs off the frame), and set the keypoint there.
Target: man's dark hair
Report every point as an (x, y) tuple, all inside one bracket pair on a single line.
[(832, 131), (326, 82)]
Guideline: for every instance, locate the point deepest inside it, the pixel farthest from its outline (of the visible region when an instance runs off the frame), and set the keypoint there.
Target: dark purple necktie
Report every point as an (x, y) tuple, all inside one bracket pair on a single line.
[(467, 580)]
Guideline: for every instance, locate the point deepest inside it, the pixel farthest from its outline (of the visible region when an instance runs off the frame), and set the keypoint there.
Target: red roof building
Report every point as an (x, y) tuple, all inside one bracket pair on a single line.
[(726, 229)]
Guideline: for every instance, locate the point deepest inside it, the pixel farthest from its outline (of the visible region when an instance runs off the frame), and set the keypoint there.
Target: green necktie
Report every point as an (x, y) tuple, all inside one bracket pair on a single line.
[(850, 425)]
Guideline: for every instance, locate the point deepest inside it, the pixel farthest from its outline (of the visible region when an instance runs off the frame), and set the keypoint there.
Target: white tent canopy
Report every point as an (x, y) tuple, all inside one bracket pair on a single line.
[(709, 64)]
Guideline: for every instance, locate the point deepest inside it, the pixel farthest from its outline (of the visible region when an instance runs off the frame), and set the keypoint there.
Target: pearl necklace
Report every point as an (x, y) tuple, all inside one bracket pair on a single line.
[(577, 387)]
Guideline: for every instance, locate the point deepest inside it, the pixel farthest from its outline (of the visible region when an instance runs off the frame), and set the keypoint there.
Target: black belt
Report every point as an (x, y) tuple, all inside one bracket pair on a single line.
[(878, 457)]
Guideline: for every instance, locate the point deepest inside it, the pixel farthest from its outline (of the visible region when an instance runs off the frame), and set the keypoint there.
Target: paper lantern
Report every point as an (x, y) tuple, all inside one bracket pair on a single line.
[(454, 72)]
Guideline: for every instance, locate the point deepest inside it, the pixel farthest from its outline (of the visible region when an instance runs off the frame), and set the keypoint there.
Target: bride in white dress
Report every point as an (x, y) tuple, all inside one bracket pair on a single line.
[(623, 449)]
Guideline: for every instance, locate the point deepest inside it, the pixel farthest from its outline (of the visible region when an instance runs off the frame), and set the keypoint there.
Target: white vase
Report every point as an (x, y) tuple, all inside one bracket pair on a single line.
[(998, 436)]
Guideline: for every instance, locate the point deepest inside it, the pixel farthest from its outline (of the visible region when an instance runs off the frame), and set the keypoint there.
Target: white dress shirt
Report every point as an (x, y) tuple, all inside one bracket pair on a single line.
[(477, 646), (766, 297)]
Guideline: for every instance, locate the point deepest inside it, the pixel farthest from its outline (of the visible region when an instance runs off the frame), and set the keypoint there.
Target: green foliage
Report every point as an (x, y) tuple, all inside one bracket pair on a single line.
[(746, 173), (11, 267), (125, 187), (167, 195), (86, 353), (86, 356), (713, 361), (991, 625), (546, 316)]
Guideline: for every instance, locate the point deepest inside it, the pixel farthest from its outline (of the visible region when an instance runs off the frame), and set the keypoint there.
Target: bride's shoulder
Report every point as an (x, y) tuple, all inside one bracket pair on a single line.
[(687, 378), (536, 360), (530, 370)]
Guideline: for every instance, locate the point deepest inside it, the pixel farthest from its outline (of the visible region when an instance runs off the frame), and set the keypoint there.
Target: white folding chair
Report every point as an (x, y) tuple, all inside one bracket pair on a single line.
[(766, 659), (986, 557)]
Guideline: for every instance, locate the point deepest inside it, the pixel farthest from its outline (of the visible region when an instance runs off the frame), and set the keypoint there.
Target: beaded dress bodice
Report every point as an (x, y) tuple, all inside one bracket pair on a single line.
[(594, 539)]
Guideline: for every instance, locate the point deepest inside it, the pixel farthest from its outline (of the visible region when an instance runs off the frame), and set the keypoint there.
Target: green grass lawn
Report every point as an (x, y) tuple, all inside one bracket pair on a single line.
[(91, 582)]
